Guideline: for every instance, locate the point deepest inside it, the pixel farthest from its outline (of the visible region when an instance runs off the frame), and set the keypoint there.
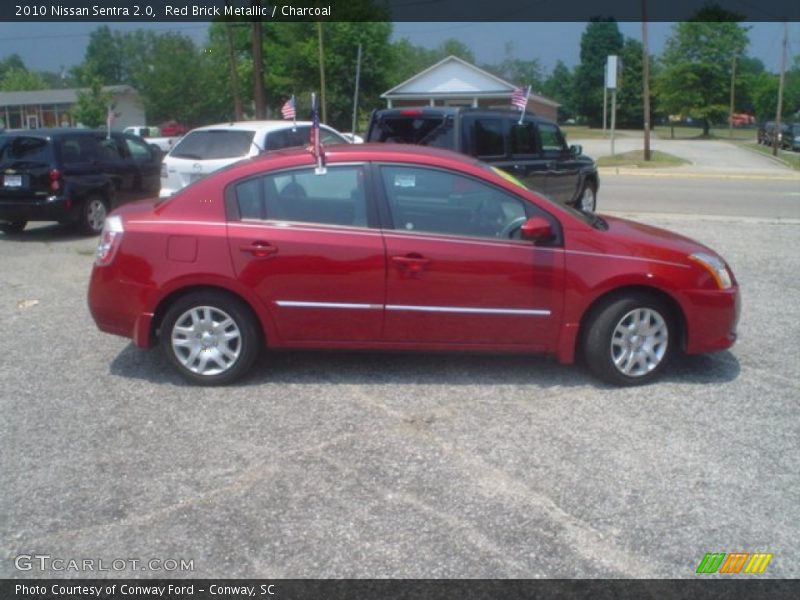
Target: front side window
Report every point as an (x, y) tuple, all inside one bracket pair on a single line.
[(433, 201), (336, 198), (552, 141), (140, 152)]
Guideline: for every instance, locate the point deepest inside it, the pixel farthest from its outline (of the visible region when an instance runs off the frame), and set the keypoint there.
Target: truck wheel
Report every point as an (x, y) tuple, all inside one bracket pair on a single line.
[(587, 199)]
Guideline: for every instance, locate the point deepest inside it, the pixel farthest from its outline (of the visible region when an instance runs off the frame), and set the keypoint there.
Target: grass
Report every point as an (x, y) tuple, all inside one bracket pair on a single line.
[(684, 132), (790, 159), (635, 158), (86, 251), (582, 132)]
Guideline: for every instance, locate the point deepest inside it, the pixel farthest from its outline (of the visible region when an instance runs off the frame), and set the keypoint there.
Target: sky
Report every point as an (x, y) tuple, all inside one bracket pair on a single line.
[(51, 46)]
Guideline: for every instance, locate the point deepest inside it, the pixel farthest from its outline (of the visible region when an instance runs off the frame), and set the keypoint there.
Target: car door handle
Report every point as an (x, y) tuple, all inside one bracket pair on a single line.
[(413, 263), (259, 249)]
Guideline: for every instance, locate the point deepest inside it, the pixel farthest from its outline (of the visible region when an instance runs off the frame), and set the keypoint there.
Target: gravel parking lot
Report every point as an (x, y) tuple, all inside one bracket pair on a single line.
[(393, 465)]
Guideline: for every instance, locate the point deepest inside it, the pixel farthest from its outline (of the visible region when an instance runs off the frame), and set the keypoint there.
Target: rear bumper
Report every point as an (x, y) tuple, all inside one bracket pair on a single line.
[(118, 307), (52, 208), (712, 317)]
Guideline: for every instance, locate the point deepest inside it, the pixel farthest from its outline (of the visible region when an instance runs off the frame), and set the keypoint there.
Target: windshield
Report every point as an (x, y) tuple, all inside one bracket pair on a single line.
[(23, 151), (211, 144)]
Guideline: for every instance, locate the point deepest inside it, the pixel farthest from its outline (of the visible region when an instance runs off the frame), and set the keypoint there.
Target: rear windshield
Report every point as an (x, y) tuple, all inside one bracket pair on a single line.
[(425, 130), (211, 144), (23, 151)]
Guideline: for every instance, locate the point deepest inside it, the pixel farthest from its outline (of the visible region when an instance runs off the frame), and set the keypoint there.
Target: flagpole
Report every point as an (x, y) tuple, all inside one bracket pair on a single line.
[(294, 118), (527, 95)]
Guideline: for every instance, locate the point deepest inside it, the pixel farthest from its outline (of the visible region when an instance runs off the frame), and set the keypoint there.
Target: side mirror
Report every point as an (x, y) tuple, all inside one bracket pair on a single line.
[(536, 229), (576, 149)]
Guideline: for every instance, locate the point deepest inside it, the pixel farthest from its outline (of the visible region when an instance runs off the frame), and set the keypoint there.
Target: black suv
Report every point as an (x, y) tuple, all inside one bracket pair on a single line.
[(72, 175), (534, 150)]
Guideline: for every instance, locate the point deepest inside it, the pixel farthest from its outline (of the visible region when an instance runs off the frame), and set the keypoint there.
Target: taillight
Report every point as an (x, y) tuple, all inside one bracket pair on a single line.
[(55, 180), (110, 240), (411, 112)]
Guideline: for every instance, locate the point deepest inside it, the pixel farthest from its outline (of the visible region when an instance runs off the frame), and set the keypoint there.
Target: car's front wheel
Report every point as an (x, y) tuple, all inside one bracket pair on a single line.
[(628, 341), (587, 200), (210, 337), (12, 226)]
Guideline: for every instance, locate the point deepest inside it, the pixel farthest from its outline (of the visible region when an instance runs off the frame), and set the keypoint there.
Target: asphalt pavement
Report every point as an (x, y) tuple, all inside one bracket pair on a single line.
[(397, 465)]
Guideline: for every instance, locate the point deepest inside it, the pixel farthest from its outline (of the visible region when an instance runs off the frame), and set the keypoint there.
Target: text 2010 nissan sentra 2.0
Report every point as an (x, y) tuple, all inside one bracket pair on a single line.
[(400, 248)]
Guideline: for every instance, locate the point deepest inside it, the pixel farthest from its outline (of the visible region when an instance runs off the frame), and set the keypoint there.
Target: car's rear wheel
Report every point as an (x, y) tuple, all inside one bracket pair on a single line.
[(587, 200), (12, 226), (93, 215), (210, 337), (628, 341)]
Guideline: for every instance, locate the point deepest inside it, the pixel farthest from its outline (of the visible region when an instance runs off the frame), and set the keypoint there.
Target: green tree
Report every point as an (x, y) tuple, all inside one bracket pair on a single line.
[(407, 60), (560, 87), (16, 79), (601, 39), (696, 69), (518, 70), (91, 109)]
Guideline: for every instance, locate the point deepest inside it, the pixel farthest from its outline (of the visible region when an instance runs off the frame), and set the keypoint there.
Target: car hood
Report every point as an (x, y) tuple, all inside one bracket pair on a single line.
[(645, 241)]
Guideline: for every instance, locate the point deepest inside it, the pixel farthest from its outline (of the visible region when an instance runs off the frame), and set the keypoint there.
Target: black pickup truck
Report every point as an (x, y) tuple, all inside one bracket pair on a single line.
[(534, 150)]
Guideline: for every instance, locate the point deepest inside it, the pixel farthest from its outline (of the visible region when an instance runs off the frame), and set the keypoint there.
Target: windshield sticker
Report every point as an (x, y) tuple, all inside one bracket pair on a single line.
[(405, 180)]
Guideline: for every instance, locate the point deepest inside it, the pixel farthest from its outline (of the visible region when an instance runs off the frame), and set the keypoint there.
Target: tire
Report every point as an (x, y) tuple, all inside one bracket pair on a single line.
[(587, 199), (93, 215), (13, 226), (210, 337), (629, 340)]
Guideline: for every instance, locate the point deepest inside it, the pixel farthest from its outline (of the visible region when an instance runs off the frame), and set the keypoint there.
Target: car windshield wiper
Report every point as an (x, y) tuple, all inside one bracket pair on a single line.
[(599, 222)]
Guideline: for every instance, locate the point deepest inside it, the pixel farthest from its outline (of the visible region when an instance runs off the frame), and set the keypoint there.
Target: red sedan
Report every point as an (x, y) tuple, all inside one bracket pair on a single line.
[(400, 248)]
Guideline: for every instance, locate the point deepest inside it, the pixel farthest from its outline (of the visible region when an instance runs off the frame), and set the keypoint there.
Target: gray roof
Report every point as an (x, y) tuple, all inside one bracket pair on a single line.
[(64, 96)]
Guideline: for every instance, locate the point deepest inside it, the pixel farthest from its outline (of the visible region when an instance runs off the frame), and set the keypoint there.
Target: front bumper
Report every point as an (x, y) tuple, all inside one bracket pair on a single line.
[(712, 317)]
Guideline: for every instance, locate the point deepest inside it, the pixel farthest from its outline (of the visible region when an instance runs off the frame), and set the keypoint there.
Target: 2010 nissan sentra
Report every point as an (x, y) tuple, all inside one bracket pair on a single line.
[(400, 248)]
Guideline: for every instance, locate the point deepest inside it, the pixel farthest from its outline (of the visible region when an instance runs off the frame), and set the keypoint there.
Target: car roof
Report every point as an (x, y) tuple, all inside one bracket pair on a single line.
[(452, 110), (272, 125), (46, 132)]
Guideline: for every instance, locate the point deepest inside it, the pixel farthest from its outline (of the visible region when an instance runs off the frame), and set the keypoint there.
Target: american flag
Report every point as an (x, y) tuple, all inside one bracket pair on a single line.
[(520, 97), (288, 110)]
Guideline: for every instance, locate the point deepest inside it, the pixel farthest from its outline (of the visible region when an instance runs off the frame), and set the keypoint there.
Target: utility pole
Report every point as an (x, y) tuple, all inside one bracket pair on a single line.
[(355, 95), (646, 82), (259, 95), (733, 89), (780, 93), (322, 73)]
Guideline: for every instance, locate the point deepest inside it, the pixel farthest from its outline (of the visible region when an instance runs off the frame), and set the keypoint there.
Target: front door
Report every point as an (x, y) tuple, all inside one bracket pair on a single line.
[(307, 245), (457, 271)]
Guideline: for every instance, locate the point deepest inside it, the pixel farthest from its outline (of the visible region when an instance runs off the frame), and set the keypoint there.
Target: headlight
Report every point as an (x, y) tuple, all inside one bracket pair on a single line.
[(716, 268)]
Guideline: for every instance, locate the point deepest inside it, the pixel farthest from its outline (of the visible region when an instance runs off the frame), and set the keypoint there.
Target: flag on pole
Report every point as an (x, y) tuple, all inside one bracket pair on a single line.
[(520, 99), (316, 146), (287, 110)]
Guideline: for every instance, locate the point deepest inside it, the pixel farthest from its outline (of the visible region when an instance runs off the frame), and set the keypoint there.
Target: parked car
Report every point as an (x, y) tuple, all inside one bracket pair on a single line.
[(206, 149), (535, 150), (405, 248), (768, 130), (72, 176)]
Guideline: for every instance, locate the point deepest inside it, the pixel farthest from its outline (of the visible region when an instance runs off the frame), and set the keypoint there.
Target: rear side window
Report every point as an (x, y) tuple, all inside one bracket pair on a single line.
[(21, 151), (214, 144), (523, 139), (489, 138), (552, 142), (286, 138), (425, 130), (336, 198)]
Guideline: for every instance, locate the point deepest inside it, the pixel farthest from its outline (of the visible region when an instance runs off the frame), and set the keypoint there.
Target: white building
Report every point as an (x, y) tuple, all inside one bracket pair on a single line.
[(455, 82), (53, 108)]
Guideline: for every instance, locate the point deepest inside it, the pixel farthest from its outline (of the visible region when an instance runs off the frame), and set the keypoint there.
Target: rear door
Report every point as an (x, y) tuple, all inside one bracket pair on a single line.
[(25, 163), (147, 165), (309, 247)]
